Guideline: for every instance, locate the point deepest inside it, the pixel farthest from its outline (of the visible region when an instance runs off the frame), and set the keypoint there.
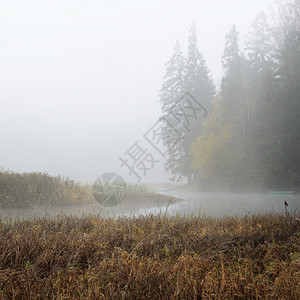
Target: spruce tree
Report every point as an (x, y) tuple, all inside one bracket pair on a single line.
[(260, 92), (173, 86), (231, 61), (198, 80), (288, 96), (199, 83), (232, 85), (182, 76), (172, 89)]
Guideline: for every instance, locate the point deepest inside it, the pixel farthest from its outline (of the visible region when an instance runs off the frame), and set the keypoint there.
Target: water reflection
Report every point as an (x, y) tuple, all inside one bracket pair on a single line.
[(220, 204), (192, 203)]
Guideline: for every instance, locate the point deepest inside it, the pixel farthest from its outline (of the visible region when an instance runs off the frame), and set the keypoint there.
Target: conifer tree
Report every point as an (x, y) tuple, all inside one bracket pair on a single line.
[(172, 89), (173, 86), (287, 123), (198, 80), (182, 76)]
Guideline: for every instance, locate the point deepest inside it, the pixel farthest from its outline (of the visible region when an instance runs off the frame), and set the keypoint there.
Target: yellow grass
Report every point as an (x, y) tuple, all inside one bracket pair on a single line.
[(253, 257)]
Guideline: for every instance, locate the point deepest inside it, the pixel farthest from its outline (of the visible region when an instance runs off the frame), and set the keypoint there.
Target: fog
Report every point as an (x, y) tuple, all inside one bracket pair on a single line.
[(79, 80), (187, 204)]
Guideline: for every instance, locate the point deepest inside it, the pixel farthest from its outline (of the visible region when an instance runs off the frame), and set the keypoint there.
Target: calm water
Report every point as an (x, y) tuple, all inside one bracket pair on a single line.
[(220, 204), (208, 204)]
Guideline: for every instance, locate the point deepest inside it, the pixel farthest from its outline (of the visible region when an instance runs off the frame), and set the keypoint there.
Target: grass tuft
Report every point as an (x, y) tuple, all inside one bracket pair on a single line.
[(148, 257)]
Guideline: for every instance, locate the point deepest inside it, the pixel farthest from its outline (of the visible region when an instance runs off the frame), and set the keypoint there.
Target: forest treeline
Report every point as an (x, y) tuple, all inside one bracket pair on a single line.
[(251, 138)]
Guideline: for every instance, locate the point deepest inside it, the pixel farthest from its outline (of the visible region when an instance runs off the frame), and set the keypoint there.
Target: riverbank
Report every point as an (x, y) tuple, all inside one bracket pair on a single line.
[(138, 205), (151, 257)]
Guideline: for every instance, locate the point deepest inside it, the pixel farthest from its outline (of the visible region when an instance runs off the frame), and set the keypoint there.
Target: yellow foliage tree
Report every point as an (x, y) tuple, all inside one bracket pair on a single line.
[(210, 147), (219, 155)]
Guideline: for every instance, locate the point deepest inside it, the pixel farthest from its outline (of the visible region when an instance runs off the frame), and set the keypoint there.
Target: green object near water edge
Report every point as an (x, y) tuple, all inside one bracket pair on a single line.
[(281, 192)]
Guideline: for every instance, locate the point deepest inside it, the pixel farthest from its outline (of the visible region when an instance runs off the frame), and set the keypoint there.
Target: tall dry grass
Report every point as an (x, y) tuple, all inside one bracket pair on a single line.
[(28, 189), (253, 257)]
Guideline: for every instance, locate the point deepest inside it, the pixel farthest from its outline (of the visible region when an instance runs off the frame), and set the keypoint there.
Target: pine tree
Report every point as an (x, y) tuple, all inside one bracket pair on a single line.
[(231, 61), (172, 89), (173, 86), (199, 83), (198, 80), (259, 91), (182, 76), (259, 47), (288, 96), (232, 85)]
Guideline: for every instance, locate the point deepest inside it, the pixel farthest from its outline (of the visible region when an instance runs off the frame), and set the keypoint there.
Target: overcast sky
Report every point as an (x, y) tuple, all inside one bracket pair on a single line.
[(79, 79)]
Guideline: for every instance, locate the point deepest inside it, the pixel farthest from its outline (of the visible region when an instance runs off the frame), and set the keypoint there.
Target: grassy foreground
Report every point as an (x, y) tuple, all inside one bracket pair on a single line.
[(254, 257)]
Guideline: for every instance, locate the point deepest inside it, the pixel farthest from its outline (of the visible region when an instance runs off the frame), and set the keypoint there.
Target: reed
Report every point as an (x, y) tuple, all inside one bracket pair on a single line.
[(148, 257), (28, 189)]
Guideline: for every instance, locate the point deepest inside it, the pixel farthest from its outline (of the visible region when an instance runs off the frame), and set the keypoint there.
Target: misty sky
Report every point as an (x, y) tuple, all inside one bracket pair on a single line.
[(79, 79)]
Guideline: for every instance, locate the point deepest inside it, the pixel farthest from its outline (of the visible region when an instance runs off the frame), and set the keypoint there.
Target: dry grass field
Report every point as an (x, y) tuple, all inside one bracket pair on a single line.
[(253, 257)]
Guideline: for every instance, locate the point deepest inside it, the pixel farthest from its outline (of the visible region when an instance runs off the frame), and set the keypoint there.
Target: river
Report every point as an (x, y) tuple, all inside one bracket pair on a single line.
[(191, 203)]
